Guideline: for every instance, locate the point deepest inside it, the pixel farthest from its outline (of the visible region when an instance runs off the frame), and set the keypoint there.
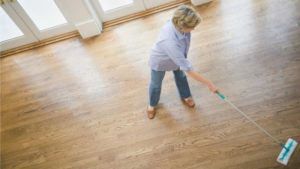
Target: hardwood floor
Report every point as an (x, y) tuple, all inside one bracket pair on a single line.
[(78, 104)]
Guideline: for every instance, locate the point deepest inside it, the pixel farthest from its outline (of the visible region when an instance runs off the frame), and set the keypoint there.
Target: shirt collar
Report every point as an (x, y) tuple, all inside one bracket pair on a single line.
[(178, 34)]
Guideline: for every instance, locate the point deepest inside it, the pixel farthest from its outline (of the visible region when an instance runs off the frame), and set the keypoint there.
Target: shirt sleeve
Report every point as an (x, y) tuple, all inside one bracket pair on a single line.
[(174, 51)]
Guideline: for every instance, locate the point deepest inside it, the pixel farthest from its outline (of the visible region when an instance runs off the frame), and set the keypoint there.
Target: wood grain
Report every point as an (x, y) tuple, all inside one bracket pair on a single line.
[(79, 104)]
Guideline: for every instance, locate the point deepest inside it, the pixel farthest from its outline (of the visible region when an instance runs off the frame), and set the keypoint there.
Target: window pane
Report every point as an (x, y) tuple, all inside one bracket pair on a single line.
[(44, 13), (112, 4), (8, 28)]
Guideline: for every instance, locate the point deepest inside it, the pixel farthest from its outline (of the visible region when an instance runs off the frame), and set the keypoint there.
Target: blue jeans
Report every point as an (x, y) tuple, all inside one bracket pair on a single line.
[(156, 82)]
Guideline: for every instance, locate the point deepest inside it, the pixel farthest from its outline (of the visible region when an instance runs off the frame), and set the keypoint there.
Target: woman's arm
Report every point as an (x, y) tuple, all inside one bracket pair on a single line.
[(197, 76)]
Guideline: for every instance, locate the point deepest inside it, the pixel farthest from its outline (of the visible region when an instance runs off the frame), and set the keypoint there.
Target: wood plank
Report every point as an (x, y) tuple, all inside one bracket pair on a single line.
[(79, 104)]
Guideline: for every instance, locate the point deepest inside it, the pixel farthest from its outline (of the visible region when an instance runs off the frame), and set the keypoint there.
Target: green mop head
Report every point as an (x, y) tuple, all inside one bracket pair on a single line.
[(287, 151)]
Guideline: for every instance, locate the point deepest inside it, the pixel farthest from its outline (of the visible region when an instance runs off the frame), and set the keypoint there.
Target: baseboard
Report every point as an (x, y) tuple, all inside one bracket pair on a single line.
[(38, 44), (106, 25)]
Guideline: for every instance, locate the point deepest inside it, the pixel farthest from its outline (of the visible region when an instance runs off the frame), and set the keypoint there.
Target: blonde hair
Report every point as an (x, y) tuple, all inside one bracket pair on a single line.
[(186, 17)]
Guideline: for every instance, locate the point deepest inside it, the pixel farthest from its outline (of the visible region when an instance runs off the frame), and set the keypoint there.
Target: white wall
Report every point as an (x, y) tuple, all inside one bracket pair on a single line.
[(82, 16)]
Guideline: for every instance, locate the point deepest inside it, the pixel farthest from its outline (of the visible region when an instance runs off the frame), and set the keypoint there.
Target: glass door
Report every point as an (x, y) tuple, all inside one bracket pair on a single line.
[(32, 20), (13, 31), (112, 9), (43, 17)]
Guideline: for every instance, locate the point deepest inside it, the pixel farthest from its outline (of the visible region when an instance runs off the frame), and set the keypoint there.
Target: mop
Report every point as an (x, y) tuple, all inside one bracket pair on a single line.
[(287, 149)]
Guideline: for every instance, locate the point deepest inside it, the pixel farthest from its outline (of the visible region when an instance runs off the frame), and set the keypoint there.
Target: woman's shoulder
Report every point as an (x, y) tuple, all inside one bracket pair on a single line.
[(167, 32)]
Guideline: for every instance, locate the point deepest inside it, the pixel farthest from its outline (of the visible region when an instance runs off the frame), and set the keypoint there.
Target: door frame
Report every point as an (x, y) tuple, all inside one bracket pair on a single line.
[(42, 34), (137, 6), (26, 38)]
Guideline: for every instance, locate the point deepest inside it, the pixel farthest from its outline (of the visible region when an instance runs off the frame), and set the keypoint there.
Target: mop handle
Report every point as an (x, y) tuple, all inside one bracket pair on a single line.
[(248, 118), (221, 95)]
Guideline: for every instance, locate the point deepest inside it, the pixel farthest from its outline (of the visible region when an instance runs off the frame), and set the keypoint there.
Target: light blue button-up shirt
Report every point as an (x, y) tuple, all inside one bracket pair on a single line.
[(170, 50)]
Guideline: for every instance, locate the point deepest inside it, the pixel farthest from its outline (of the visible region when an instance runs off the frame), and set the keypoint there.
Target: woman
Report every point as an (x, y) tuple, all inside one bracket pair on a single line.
[(169, 53)]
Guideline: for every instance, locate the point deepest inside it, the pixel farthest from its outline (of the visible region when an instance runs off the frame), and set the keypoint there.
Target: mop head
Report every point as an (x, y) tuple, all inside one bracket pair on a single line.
[(287, 151)]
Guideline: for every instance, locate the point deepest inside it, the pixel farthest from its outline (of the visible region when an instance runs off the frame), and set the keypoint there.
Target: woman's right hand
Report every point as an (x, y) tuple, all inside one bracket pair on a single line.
[(197, 76), (212, 87)]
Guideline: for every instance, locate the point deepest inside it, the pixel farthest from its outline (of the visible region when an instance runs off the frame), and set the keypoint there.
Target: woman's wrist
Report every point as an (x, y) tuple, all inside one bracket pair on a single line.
[(208, 83)]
